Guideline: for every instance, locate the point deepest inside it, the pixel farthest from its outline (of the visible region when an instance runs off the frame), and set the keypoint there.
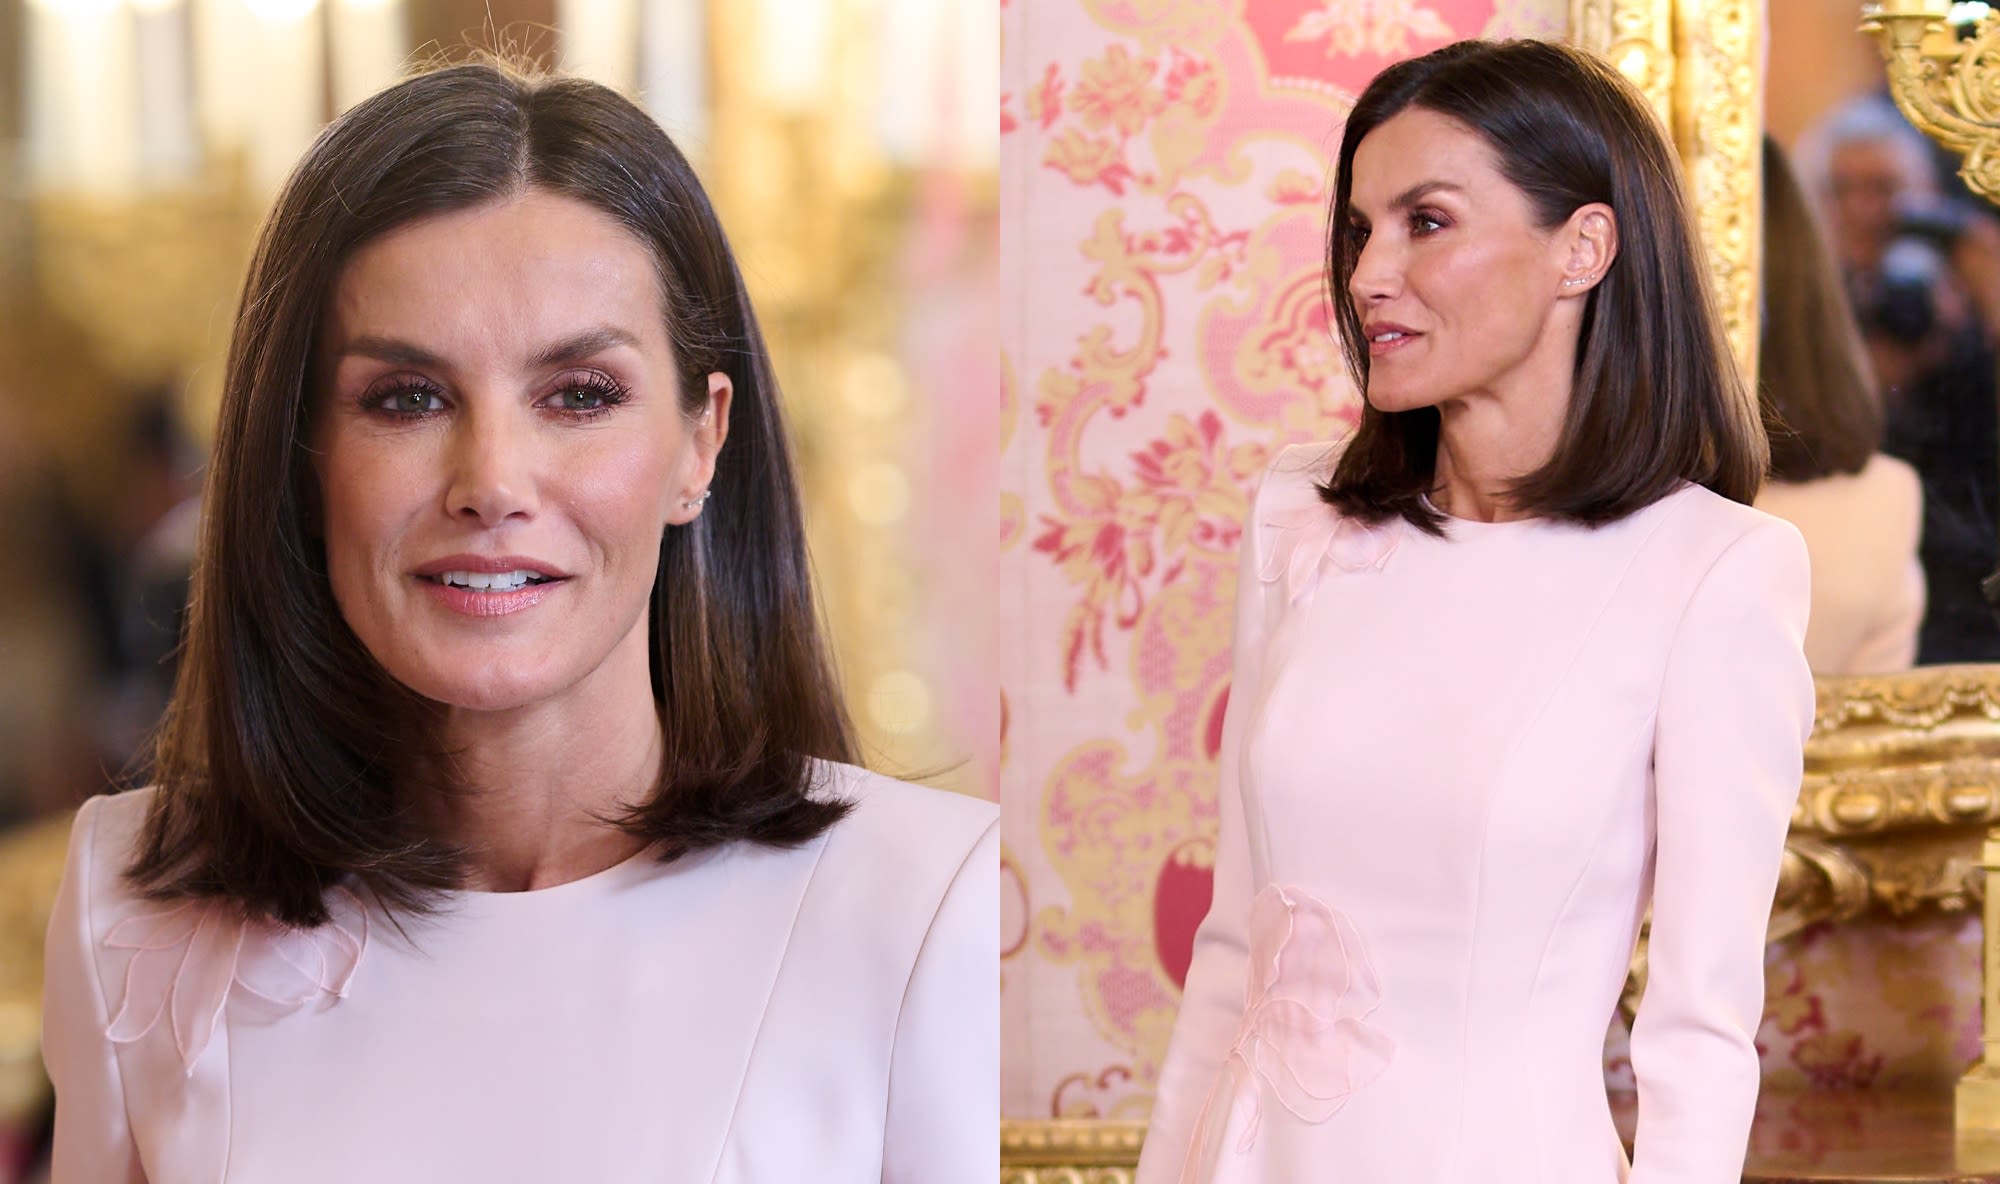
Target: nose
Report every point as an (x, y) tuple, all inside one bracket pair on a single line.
[(491, 466), (1377, 274)]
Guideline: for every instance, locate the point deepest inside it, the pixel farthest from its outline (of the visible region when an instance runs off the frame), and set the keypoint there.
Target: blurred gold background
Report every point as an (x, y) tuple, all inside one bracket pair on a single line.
[(850, 146)]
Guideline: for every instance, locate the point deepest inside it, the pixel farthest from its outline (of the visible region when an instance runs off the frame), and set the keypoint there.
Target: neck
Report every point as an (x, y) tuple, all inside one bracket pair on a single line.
[(535, 786), (1490, 438)]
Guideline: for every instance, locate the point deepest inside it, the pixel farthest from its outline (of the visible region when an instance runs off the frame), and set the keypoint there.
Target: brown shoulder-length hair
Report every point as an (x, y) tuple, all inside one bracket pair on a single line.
[(1814, 380), (1657, 399), (280, 760)]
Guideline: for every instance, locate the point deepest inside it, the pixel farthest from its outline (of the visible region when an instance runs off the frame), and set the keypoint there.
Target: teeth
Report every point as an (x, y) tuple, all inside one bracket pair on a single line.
[(502, 581), (1387, 337)]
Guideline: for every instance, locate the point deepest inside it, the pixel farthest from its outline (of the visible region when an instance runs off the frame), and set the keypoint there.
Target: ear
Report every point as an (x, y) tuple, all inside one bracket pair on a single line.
[(711, 429), (1590, 243)]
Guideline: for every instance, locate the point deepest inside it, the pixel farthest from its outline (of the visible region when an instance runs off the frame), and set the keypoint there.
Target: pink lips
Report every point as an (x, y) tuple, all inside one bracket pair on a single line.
[(1374, 329), (490, 565), (475, 602)]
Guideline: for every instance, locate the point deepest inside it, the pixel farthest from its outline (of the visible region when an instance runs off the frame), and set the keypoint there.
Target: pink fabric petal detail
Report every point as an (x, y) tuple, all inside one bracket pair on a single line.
[(1316, 534), (187, 959), (201, 987), (1305, 1035), (155, 931), (1358, 547), (149, 978)]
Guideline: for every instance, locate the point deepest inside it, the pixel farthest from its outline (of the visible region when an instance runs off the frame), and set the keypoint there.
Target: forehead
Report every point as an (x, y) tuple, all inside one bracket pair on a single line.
[(515, 270), (1417, 145)]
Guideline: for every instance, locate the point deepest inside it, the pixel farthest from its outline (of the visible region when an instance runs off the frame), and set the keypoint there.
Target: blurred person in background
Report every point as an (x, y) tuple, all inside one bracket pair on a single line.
[(506, 822), (1923, 272), (45, 751), (1860, 511), (148, 597)]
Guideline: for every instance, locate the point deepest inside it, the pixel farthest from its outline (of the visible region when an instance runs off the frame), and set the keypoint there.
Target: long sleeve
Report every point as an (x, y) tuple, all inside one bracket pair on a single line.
[(944, 1077), (1735, 709), (93, 1143), (1212, 1002)]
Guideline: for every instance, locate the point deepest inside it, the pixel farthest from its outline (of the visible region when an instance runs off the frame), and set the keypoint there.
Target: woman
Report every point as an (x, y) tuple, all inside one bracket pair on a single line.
[(504, 825), (1515, 661), (1861, 512)]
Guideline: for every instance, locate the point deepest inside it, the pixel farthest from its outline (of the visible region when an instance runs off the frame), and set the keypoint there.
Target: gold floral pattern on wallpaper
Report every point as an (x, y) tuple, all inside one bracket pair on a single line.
[(1165, 169)]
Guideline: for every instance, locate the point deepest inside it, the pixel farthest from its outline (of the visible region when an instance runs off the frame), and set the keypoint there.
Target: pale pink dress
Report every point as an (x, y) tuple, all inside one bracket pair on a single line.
[(1453, 774), (744, 1016)]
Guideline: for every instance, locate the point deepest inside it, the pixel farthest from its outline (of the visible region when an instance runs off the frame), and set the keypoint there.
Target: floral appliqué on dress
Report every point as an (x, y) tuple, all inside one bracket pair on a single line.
[(1305, 1038), (188, 958), (1321, 535)]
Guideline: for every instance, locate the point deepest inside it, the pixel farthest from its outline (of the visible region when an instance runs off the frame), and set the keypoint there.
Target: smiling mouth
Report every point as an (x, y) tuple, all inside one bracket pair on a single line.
[(483, 581)]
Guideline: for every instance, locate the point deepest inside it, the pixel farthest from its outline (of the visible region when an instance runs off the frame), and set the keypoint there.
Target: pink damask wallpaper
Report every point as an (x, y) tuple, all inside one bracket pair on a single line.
[(1164, 170)]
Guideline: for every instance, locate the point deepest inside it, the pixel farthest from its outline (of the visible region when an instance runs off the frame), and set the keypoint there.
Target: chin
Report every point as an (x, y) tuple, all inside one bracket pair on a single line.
[(476, 686), (1395, 398)]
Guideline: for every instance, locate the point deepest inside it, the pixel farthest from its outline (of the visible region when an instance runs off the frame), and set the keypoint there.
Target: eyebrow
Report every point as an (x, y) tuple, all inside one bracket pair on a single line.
[(570, 349), (1422, 189)]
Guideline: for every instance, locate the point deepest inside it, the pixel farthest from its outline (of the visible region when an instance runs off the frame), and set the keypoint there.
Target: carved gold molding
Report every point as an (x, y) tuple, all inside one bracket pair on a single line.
[(1902, 781), (1699, 62), (1948, 88), (1069, 1151), (1637, 36), (1718, 123)]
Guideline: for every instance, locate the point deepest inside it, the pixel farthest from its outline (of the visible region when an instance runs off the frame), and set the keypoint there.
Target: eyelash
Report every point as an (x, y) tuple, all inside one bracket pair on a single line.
[(608, 392), (1423, 224)]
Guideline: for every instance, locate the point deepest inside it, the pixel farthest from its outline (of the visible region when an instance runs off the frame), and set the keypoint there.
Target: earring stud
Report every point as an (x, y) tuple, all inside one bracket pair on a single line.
[(1579, 280), (695, 503)]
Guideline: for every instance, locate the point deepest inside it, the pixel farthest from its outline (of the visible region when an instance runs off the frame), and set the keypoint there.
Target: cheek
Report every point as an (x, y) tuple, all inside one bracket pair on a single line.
[(367, 493), (619, 496), (1485, 295)]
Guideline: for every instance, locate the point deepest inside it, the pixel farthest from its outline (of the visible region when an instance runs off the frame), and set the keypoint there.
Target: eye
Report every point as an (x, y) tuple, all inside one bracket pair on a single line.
[(579, 398), (408, 400), (1423, 222), (586, 395)]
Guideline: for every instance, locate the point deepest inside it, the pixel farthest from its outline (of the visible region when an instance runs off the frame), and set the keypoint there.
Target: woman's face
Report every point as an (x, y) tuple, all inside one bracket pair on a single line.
[(500, 443), (1455, 284)]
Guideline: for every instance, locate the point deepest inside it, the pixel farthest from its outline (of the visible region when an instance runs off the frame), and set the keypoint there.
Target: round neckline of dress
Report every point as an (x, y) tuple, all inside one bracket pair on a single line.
[(596, 883), (1474, 525)]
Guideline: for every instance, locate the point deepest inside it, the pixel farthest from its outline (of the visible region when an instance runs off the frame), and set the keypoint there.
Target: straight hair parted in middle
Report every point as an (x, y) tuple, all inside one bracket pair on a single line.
[(1657, 398), (285, 760)]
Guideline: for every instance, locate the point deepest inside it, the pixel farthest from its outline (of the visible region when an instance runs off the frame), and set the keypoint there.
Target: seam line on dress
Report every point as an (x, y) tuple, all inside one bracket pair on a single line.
[(1503, 770), (889, 1092), (764, 1012), (1569, 897), (92, 807)]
